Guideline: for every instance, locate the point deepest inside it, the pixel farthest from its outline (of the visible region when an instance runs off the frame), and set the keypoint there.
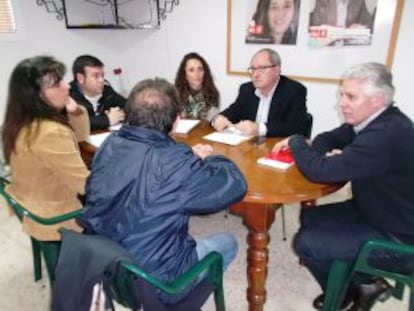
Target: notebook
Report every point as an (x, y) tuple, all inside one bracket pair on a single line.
[(184, 126), (281, 160), (230, 136)]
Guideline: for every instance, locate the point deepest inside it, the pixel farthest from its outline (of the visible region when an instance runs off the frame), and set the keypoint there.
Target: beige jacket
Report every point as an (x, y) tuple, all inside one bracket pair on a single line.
[(48, 175)]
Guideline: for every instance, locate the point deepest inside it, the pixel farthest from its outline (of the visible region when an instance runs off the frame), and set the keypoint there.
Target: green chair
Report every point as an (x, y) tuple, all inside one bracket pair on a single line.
[(122, 286), (49, 249), (341, 274)]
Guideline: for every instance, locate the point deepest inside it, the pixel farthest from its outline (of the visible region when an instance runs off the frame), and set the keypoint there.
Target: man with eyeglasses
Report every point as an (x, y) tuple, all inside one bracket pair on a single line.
[(270, 105)]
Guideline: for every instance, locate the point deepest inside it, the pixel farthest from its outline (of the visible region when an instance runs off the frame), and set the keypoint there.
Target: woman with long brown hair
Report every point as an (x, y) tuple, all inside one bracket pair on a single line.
[(196, 89), (41, 146)]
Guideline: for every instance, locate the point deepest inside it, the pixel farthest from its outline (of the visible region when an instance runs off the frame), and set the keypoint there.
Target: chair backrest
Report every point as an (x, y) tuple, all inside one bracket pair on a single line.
[(362, 263), (132, 286), (20, 211), (341, 272), (136, 292), (50, 249), (16, 207), (124, 281), (309, 124)]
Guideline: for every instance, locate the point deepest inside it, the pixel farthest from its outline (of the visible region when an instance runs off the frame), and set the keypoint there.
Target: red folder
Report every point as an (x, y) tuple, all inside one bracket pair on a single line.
[(281, 160), (284, 156)]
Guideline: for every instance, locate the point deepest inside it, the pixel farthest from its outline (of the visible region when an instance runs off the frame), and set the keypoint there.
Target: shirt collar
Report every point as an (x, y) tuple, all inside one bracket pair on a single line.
[(93, 98), (364, 124), (259, 93)]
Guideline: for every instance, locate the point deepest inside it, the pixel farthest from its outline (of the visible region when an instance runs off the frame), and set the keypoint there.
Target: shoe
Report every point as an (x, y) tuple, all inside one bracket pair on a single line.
[(368, 294), (348, 299)]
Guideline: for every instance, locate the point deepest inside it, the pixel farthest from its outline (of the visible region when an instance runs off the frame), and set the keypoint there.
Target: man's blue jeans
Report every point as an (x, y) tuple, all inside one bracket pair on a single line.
[(223, 243), (336, 231)]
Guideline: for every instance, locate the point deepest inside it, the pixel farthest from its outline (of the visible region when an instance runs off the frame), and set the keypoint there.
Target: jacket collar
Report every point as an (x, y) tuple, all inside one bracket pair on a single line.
[(142, 134)]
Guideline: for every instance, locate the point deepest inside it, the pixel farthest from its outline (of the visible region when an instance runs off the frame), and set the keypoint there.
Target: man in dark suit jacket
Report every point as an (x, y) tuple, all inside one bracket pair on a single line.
[(374, 150), (89, 89), (270, 105)]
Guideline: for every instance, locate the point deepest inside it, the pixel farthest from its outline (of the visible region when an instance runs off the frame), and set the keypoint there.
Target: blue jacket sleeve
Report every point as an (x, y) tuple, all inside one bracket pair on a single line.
[(213, 185)]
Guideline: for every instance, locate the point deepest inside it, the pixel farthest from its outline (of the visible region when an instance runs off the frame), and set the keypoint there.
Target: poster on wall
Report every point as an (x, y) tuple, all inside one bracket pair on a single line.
[(341, 23), (317, 39), (274, 22)]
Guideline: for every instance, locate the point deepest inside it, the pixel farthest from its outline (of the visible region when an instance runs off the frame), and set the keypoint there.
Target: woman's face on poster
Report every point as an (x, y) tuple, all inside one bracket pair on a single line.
[(280, 15)]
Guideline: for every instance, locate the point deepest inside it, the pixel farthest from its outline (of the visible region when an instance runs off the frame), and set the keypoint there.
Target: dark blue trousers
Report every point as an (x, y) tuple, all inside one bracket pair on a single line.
[(336, 231)]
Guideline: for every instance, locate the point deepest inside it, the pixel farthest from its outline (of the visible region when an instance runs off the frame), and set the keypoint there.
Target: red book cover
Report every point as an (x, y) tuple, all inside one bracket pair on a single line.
[(284, 155), (282, 159)]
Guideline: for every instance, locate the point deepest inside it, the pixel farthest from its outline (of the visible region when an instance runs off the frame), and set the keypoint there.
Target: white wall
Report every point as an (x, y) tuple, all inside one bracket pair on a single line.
[(195, 25)]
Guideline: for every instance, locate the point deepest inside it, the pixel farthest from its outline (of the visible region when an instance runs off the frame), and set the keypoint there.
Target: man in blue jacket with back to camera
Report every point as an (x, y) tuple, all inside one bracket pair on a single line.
[(374, 150), (144, 187)]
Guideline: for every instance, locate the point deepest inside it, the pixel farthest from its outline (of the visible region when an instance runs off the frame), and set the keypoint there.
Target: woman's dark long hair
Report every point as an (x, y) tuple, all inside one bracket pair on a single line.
[(25, 103), (209, 89)]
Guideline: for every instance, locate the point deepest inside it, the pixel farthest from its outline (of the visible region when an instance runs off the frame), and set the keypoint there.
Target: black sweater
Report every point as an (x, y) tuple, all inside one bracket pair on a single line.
[(109, 99)]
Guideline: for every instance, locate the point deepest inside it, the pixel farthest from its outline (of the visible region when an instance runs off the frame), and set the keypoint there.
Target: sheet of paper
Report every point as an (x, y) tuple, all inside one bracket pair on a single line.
[(230, 136), (98, 139), (115, 127), (186, 125)]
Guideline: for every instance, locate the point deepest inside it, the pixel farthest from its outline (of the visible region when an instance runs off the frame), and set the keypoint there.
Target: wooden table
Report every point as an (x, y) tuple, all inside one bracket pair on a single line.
[(268, 189)]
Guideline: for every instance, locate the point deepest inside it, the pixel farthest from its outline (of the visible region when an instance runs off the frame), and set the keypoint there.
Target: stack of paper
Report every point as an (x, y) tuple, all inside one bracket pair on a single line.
[(185, 126), (230, 136), (281, 160)]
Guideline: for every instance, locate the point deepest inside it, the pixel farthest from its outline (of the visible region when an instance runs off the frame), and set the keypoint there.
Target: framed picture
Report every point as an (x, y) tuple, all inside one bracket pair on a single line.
[(317, 39), (111, 14)]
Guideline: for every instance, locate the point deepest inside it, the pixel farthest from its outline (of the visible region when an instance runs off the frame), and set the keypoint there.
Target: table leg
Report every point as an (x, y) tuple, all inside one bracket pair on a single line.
[(258, 218)]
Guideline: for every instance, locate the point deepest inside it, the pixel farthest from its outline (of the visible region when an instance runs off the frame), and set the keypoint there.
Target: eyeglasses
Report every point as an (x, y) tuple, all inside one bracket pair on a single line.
[(259, 69)]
